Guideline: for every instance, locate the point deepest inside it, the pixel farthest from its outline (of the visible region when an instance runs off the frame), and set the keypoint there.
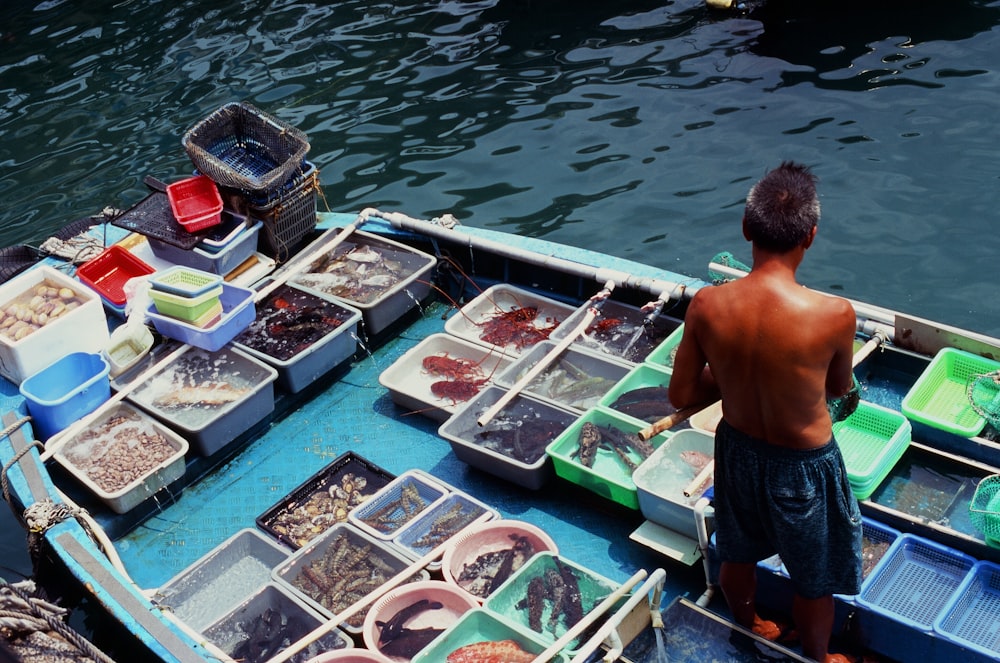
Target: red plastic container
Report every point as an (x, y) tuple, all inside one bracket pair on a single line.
[(195, 202), (107, 273)]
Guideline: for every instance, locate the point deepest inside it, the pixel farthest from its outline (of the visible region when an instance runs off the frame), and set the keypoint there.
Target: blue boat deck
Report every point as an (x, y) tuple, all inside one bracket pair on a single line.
[(349, 411), (353, 412)]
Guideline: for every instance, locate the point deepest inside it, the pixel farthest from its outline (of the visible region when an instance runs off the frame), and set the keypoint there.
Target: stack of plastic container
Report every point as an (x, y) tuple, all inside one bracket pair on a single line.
[(872, 440), (197, 308), (188, 294)]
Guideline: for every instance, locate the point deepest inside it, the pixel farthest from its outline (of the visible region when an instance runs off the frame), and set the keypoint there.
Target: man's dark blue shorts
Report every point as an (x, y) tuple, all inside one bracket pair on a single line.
[(796, 503)]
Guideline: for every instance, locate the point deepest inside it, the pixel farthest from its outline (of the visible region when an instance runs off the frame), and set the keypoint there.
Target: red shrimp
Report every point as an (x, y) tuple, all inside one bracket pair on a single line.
[(604, 326)]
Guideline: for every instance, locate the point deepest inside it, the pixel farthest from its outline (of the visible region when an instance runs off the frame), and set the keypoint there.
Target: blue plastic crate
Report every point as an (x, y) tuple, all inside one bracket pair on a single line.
[(66, 390), (972, 617), (877, 541), (915, 581)]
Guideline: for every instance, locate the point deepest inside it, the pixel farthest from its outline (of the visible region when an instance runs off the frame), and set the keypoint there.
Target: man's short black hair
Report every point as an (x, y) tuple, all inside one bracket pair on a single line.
[(782, 208)]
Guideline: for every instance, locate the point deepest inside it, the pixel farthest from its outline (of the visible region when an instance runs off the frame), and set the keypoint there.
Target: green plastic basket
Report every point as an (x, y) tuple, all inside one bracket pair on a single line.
[(984, 509), (189, 309), (871, 440), (939, 397), (184, 281)]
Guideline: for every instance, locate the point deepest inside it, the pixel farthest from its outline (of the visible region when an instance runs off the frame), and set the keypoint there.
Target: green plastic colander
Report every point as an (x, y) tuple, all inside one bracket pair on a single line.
[(984, 509)]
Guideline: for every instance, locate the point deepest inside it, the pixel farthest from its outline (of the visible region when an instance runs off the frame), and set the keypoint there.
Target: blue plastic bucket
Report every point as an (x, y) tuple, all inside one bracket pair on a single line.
[(66, 390)]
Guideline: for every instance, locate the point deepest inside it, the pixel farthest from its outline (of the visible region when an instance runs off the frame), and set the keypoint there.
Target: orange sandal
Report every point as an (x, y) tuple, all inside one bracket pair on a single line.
[(767, 629)]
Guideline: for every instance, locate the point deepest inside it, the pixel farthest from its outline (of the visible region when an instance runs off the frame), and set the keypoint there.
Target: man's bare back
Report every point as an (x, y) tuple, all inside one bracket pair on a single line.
[(776, 351)]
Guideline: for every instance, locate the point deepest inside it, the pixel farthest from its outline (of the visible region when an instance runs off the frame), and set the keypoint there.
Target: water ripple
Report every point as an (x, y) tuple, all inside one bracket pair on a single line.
[(560, 119)]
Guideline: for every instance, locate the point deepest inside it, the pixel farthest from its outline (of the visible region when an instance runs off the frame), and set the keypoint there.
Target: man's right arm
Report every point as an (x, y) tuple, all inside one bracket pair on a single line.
[(691, 381), (842, 388)]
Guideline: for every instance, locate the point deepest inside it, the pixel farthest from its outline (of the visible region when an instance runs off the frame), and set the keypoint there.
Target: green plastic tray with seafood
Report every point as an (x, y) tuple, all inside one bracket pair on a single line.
[(549, 595), (663, 354), (641, 394), (600, 451), (480, 635)]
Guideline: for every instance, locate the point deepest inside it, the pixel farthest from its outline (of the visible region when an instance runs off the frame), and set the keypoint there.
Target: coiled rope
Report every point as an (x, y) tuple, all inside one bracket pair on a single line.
[(22, 614)]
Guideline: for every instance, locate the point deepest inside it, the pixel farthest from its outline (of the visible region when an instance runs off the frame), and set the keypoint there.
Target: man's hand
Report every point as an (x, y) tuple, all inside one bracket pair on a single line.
[(841, 408)]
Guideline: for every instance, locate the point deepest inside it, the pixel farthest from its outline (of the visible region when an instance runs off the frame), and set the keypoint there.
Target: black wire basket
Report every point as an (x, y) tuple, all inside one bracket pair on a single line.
[(242, 147)]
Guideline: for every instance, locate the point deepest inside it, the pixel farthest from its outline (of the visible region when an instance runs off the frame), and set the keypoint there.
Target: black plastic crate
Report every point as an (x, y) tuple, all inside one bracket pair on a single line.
[(286, 520), (16, 259), (242, 147), (287, 220)]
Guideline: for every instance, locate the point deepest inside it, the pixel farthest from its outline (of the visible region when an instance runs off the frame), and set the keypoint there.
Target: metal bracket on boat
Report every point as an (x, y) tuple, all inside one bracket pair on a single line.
[(639, 612)]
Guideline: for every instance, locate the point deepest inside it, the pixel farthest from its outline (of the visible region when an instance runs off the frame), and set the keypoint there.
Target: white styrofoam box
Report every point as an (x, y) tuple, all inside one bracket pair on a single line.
[(84, 328)]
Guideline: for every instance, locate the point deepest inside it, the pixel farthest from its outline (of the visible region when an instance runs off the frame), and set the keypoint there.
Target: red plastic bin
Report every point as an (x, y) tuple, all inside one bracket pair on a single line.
[(195, 202), (108, 273)]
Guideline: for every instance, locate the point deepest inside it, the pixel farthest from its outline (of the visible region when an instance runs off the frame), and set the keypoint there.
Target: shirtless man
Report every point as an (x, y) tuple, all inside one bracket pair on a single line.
[(774, 352)]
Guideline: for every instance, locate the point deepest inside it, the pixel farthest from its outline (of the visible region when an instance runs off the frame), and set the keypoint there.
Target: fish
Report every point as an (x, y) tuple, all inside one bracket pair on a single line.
[(394, 627), (491, 569), (363, 254), (207, 393), (410, 642), (491, 651), (534, 602), (573, 603), (557, 593), (696, 459), (590, 439)]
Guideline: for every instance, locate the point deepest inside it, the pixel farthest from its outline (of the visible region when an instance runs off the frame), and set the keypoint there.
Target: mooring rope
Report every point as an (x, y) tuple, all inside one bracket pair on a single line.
[(22, 613), (44, 514), (4, 484)]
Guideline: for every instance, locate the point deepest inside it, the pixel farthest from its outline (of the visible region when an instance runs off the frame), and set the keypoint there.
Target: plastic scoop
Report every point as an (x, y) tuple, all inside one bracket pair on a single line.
[(132, 340)]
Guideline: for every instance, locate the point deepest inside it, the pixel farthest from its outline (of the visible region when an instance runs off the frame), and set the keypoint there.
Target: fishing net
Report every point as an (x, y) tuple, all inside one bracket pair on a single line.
[(843, 407), (983, 391), (984, 509), (725, 259)]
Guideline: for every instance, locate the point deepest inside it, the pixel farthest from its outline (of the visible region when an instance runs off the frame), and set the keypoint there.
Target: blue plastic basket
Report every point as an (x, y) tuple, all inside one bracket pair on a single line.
[(238, 311), (877, 540), (915, 581), (65, 390), (972, 617)]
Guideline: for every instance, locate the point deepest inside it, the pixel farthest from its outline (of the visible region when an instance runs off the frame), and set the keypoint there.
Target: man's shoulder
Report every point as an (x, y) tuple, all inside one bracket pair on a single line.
[(832, 304)]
